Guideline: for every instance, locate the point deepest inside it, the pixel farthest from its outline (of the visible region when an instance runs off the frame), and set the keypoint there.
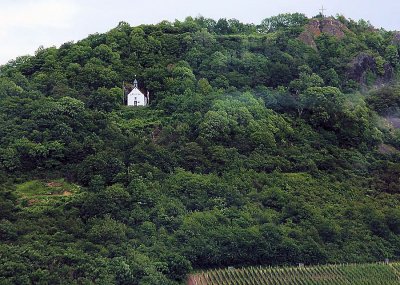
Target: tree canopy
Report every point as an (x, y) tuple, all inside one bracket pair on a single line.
[(257, 149)]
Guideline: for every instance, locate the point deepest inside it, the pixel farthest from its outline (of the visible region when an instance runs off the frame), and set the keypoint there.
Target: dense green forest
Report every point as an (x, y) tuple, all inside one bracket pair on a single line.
[(268, 144)]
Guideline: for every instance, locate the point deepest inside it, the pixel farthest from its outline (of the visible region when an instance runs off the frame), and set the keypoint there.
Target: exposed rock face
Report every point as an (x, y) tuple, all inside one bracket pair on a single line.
[(362, 63), (316, 27), (396, 38), (394, 122), (387, 149), (311, 31), (389, 72), (333, 27), (358, 68), (308, 39)]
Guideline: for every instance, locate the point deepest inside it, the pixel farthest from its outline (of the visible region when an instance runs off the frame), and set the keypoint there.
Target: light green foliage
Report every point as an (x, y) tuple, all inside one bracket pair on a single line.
[(283, 21), (36, 194), (322, 103), (236, 119), (392, 55), (36, 187), (380, 62), (306, 80), (216, 126), (9, 88), (204, 86)]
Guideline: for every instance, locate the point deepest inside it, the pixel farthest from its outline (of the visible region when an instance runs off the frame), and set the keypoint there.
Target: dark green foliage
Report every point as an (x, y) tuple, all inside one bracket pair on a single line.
[(385, 100), (255, 149)]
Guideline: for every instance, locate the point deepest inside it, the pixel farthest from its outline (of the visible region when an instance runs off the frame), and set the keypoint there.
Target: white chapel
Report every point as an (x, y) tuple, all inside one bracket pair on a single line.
[(136, 97)]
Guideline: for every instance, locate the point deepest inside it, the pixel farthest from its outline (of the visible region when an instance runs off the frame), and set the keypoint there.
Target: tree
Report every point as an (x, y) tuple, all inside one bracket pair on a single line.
[(222, 27), (322, 105), (107, 230), (392, 55), (215, 127), (331, 78), (9, 88), (204, 86), (106, 54), (105, 99), (182, 78), (306, 80), (282, 21)]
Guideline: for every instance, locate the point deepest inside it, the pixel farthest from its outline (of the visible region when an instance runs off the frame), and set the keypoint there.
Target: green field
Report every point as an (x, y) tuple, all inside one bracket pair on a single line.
[(353, 274), (41, 193)]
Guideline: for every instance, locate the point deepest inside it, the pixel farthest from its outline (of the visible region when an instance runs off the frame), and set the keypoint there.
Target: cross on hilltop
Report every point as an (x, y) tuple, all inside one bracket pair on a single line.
[(322, 11)]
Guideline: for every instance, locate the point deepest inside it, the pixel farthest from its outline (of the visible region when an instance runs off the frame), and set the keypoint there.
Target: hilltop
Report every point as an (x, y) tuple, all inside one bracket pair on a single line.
[(328, 26), (257, 148)]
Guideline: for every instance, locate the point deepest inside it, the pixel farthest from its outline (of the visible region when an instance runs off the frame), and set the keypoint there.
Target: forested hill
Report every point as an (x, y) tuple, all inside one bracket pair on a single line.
[(269, 144)]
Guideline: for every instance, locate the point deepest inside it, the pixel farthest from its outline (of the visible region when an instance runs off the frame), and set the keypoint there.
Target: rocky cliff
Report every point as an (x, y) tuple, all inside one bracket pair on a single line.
[(363, 63), (396, 38), (316, 27)]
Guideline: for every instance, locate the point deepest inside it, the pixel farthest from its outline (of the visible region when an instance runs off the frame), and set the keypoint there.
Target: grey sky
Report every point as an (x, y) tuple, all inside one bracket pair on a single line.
[(27, 24)]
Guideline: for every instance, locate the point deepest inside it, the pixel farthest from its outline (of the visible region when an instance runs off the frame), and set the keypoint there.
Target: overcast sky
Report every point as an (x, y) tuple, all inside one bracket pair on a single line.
[(27, 24)]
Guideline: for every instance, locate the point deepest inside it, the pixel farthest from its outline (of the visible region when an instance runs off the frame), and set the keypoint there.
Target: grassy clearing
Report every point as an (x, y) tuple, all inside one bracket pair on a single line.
[(37, 192), (353, 274)]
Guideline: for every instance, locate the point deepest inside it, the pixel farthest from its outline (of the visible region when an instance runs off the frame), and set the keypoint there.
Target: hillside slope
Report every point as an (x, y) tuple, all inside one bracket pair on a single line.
[(256, 149)]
